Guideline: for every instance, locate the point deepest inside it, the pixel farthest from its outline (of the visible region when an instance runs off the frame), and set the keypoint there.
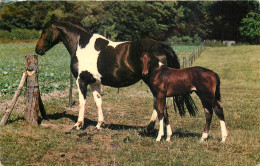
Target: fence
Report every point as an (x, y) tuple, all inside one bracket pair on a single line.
[(189, 60)]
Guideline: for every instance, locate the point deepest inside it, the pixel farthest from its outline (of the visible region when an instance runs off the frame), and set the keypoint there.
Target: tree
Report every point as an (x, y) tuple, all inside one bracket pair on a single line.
[(250, 28)]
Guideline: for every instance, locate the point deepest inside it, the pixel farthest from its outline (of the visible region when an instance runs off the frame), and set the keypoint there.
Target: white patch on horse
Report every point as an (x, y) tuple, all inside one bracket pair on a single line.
[(169, 132), (154, 116), (96, 90), (193, 89), (160, 64), (82, 102), (223, 130), (88, 56), (114, 44), (204, 137), (161, 130)]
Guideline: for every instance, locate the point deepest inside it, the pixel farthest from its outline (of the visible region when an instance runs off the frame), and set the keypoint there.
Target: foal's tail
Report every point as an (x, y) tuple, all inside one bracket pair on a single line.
[(217, 93)]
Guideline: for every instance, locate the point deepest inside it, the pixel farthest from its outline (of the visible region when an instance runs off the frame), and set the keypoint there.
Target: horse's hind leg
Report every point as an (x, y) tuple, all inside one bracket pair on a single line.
[(168, 126), (96, 90), (208, 114), (220, 114)]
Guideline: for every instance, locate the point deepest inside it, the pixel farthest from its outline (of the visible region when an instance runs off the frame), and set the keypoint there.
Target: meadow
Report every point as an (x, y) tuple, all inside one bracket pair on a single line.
[(122, 142)]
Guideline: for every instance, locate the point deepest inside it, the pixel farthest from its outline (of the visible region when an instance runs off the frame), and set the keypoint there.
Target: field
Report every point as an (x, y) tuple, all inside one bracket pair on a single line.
[(121, 142)]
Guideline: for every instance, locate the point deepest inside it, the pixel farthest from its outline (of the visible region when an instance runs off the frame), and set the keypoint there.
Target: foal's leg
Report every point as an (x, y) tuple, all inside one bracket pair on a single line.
[(82, 89), (168, 126), (161, 106), (219, 112), (96, 90), (208, 114)]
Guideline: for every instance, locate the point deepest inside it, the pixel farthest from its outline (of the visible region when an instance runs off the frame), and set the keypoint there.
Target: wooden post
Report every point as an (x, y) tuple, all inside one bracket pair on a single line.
[(34, 102), (70, 92), (15, 98)]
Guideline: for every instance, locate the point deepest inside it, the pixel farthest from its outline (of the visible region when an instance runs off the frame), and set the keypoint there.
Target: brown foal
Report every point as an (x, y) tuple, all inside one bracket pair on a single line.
[(167, 82)]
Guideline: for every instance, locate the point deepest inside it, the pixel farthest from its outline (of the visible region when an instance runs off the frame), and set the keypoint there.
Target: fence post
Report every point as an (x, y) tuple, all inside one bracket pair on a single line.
[(70, 91), (34, 102), (184, 62)]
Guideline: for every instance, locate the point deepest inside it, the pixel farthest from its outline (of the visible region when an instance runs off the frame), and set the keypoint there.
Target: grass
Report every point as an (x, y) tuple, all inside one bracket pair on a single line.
[(121, 142)]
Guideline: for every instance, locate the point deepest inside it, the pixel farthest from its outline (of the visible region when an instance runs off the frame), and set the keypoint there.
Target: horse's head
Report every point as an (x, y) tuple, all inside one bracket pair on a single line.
[(145, 63), (49, 37)]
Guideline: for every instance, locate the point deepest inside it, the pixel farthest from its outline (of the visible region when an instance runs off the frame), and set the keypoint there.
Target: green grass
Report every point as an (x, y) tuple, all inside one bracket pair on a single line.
[(127, 112), (54, 68)]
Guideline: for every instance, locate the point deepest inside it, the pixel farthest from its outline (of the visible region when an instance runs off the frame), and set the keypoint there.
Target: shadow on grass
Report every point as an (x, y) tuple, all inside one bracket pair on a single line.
[(89, 122), (144, 133), (182, 134)]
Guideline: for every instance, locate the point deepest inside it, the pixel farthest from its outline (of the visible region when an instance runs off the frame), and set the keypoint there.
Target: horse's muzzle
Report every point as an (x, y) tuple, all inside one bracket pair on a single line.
[(39, 51)]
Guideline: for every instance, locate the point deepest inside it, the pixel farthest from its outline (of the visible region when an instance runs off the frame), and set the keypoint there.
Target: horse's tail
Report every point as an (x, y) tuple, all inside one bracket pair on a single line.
[(217, 92), (173, 61)]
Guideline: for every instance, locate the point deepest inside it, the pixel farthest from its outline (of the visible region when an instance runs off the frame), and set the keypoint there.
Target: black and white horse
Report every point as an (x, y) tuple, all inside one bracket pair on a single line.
[(96, 60)]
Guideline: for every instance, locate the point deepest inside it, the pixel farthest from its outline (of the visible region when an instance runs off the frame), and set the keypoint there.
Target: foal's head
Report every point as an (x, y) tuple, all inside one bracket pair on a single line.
[(151, 60), (50, 36), (145, 63)]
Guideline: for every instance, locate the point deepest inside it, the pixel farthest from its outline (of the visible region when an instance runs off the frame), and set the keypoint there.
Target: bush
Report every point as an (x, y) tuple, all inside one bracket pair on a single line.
[(5, 34), (20, 34), (195, 40)]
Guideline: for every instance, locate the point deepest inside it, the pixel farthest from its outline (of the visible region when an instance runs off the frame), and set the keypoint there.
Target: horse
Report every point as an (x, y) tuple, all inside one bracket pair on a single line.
[(166, 82), (97, 61)]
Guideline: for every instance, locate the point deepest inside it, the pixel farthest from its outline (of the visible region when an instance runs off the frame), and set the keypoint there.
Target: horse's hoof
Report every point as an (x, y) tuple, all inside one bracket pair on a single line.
[(77, 126), (158, 139), (100, 125), (168, 139)]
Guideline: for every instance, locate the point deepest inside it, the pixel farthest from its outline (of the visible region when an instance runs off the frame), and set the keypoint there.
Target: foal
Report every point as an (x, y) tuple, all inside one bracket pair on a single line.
[(167, 82)]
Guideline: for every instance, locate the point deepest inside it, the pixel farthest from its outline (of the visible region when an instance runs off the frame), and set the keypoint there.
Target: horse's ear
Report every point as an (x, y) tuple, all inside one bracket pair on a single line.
[(53, 18)]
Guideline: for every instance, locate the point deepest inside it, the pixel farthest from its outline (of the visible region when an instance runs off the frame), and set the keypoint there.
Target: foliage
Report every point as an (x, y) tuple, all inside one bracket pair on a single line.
[(195, 40), (250, 28), (20, 34), (133, 20)]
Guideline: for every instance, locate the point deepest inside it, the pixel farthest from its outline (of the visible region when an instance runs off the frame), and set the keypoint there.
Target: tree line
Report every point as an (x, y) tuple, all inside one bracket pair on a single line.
[(220, 20)]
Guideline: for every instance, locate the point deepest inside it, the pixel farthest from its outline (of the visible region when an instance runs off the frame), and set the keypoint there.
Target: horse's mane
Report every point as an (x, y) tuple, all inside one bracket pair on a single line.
[(74, 23)]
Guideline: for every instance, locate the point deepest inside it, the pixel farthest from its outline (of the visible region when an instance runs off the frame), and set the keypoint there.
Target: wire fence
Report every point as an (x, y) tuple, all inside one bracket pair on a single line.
[(189, 60)]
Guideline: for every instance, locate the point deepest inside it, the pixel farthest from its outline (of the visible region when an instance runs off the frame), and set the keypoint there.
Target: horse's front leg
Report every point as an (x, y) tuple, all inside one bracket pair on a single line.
[(96, 90), (161, 100), (82, 89)]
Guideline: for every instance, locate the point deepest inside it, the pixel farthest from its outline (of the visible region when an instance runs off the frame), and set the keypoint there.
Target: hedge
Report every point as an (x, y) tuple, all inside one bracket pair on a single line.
[(20, 34)]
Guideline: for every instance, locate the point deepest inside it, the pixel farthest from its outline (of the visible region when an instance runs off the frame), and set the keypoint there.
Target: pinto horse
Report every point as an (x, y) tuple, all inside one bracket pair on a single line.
[(167, 82), (96, 60)]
